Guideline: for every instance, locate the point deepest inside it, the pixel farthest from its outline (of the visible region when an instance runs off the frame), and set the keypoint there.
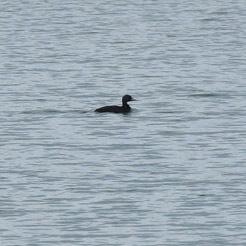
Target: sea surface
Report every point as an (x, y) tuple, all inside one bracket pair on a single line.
[(170, 173)]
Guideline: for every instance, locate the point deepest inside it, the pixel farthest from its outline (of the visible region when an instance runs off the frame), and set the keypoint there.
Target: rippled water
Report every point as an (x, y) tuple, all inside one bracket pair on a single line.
[(170, 173)]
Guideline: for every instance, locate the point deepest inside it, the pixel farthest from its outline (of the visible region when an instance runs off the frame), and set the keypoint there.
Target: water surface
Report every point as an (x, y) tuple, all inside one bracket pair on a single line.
[(170, 173)]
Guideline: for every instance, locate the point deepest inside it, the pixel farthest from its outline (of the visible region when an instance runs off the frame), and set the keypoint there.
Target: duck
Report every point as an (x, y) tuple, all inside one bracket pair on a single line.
[(125, 108)]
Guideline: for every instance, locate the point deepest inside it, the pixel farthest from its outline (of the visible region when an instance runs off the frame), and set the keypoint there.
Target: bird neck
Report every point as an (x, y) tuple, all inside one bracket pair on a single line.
[(125, 105)]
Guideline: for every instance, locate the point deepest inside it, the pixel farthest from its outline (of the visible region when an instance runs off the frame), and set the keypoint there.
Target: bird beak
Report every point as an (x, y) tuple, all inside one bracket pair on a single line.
[(133, 99)]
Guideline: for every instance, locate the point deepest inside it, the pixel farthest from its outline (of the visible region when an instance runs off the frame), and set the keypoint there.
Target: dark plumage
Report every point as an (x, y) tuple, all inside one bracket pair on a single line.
[(125, 108)]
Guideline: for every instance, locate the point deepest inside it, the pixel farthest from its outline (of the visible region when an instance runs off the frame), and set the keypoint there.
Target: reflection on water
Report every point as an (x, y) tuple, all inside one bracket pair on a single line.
[(54, 112)]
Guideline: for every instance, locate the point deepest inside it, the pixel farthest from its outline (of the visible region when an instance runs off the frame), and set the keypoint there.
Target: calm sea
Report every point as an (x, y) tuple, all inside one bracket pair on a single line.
[(172, 172)]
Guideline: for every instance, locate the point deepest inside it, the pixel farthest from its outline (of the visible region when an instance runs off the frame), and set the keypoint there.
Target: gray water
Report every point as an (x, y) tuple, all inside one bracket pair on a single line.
[(172, 172)]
